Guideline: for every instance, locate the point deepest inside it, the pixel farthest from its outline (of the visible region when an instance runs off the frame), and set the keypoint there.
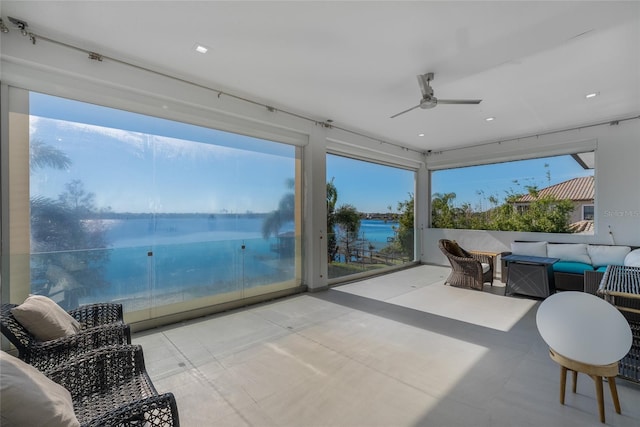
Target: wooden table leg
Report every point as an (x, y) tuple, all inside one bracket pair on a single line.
[(596, 372), (599, 396), (563, 383), (614, 393)]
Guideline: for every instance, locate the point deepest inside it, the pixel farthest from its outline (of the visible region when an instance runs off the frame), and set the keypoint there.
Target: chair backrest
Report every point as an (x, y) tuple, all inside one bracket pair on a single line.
[(13, 330), (452, 248)]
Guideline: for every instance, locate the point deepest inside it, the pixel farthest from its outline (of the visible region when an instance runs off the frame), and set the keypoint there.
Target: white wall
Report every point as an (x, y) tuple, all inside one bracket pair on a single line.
[(617, 176)]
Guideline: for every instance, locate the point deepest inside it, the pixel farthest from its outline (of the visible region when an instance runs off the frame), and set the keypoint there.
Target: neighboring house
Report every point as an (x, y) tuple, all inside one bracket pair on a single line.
[(580, 191)]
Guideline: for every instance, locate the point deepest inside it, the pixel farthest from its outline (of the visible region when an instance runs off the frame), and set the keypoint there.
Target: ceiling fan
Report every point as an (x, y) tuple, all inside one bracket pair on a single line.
[(430, 101)]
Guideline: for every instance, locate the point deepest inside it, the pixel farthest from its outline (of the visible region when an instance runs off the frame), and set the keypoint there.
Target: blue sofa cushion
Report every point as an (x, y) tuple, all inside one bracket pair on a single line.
[(571, 267), (601, 269)]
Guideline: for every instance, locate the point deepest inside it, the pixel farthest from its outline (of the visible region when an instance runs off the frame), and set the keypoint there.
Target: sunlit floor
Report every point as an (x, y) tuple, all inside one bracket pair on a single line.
[(398, 350)]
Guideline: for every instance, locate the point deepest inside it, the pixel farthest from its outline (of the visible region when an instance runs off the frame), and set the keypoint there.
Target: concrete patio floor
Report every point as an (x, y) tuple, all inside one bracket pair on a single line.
[(397, 350)]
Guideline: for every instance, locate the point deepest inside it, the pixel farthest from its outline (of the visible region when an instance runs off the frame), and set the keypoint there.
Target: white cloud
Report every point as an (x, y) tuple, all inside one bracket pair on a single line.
[(131, 137), (33, 124)]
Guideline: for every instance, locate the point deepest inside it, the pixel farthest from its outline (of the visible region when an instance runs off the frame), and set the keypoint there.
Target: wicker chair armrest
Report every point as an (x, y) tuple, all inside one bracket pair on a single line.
[(13, 330), (158, 410), (103, 369), (90, 315), (46, 355), (464, 260), (485, 258)]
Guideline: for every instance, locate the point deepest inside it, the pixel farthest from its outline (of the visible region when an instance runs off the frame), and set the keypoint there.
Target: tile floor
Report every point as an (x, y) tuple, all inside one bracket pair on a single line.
[(397, 350)]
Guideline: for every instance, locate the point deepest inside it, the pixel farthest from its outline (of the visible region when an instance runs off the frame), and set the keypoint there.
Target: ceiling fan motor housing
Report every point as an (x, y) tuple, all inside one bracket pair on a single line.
[(428, 102)]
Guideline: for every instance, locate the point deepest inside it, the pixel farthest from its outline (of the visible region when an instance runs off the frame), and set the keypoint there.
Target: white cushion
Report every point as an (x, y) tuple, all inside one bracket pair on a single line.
[(45, 319), (29, 398), (529, 248), (632, 259), (602, 255), (485, 267), (576, 252)]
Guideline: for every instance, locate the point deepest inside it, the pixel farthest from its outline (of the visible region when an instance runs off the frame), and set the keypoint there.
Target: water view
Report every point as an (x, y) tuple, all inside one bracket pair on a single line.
[(180, 257)]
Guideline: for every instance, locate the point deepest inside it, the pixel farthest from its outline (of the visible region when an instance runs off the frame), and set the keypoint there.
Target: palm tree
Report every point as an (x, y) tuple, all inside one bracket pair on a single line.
[(332, 198), (42, 155), (59, 240), (284, 214)]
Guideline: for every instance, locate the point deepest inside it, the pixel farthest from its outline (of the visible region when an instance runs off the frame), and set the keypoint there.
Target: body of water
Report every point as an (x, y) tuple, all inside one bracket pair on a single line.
[(200, 255)]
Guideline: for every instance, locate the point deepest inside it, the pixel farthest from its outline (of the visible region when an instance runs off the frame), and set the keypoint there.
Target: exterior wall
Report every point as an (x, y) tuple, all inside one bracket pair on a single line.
[(576, 215)]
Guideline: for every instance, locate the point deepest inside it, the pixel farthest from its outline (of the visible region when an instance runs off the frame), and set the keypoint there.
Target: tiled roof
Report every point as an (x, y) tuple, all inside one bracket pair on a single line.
[(574, 189)]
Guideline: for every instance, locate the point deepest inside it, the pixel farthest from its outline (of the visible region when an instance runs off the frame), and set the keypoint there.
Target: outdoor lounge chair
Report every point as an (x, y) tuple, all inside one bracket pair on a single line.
[(111, 387), (468, 269), (102, 324)]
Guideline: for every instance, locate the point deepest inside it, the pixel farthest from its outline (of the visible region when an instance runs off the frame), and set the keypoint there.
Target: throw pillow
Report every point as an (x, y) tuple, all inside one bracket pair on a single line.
[(576, 252), (529, 248), (632, 259), (29, 398), (45, 319), (603, 255)]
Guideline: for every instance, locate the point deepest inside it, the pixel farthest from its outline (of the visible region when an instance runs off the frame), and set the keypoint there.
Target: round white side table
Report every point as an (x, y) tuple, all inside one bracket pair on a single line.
[(585, 334)]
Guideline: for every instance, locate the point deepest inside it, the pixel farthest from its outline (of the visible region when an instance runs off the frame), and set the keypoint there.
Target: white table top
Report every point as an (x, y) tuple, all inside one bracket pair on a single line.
[(583, 327)]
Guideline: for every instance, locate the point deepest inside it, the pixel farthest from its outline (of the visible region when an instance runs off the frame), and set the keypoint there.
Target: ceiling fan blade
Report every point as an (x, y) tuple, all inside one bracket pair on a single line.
[(459, 101), (405, 111)]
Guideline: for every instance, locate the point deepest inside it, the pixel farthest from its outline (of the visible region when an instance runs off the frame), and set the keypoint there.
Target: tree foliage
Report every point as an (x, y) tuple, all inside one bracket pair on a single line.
[(283, 214), (43, 155), (544, 213), (332, 198), (347, 225), (64, 232), (403, 243)]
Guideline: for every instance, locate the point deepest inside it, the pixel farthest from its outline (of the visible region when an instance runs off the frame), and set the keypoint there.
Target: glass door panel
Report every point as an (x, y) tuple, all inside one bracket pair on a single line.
[(370, 216), (150, 213)]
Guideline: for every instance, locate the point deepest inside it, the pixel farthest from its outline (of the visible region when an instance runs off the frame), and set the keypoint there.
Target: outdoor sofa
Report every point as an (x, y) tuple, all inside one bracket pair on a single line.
[(577, 260)]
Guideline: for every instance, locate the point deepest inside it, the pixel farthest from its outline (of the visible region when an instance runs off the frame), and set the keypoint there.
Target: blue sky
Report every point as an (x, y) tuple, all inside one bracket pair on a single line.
[(498, 179), (137, 163)]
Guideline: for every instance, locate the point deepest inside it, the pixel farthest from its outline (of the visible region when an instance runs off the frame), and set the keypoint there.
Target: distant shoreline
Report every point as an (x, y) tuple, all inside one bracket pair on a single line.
[(212, 216)]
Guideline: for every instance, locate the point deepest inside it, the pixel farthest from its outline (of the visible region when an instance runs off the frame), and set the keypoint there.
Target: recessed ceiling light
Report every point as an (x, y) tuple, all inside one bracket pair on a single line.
[(489, 119), (421, 134), (592, 95), (201, 49)]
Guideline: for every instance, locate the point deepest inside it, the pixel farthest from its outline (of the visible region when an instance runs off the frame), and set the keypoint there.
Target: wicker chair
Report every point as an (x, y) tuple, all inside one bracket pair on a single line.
[(630, 364), (111, 387), (102, 325), (466, 267)]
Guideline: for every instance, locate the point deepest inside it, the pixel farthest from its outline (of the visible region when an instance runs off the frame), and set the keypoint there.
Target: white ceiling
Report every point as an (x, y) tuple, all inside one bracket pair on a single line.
[(356, 63)]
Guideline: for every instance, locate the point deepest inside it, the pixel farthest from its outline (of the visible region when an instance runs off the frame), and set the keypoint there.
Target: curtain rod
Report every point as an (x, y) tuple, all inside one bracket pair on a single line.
[(614, 122), (95, 56)]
